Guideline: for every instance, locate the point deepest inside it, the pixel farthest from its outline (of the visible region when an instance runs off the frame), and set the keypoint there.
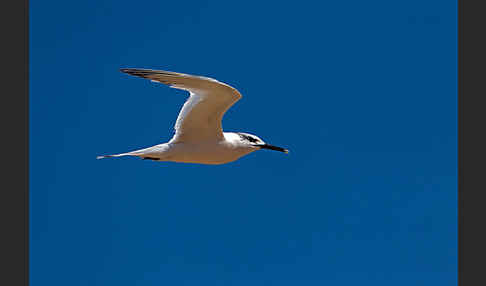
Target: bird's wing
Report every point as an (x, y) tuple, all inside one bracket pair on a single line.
[(200, 117)]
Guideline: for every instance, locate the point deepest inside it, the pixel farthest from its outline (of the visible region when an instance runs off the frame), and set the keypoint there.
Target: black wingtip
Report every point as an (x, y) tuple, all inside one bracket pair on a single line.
[(131, 70), (150, 158), (144, 73)]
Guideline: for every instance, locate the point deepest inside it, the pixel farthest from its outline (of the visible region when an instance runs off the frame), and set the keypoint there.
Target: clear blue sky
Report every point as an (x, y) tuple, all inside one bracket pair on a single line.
[(363, 93)]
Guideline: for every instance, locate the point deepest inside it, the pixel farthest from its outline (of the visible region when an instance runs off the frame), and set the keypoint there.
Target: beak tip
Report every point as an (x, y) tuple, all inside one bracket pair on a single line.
[(275, 148)]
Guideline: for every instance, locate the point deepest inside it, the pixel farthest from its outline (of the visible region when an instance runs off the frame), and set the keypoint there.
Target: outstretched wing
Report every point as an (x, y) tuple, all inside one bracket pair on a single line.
[(200, 117)]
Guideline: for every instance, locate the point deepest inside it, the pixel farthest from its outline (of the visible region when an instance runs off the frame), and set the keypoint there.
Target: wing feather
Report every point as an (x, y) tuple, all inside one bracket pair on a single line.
[(200, 117)]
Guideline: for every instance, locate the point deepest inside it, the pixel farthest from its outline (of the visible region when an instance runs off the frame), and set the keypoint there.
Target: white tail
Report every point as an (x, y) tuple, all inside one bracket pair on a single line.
[(142, 153), (115, 155)]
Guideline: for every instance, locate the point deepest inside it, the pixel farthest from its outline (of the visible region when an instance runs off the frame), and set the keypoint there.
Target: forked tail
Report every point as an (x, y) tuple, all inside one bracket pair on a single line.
[(147, 153), (115, 155)]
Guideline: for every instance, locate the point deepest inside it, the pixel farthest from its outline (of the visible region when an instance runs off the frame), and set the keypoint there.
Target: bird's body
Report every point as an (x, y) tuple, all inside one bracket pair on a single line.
[(199, 137), (207, 152)]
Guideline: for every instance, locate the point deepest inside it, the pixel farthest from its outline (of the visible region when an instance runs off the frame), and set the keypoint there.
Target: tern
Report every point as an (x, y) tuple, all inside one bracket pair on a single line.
[(199, 136)]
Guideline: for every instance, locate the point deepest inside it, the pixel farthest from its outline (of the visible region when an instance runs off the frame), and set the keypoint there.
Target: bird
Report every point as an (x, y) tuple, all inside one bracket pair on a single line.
[(199, 136)]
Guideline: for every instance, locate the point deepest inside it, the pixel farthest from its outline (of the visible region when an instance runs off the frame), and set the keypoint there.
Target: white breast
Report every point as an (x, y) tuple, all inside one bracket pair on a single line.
[(208, 152)]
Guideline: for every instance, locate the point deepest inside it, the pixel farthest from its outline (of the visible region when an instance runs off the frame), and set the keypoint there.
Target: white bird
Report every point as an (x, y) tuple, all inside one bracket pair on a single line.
[(199, 136)]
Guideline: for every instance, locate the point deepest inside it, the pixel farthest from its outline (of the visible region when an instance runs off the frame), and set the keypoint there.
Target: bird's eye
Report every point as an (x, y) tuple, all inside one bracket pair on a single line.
[(249, 138)]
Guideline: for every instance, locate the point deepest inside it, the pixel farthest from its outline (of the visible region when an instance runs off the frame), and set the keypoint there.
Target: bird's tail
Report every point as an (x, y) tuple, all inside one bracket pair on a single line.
[(142, 153), (114, 155)]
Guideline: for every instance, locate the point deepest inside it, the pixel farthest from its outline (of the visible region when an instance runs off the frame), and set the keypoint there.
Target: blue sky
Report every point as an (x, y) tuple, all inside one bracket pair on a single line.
[(363, 93)]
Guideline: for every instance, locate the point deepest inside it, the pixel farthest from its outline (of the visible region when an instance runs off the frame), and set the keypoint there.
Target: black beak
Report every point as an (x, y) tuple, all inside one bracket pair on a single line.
[(275, 148)]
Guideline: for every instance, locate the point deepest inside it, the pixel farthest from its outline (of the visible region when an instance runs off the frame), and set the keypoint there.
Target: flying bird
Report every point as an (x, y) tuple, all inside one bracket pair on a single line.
[(199, 136)]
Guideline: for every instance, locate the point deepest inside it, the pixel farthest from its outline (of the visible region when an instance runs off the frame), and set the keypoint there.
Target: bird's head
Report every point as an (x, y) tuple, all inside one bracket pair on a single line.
[(256, 142)]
